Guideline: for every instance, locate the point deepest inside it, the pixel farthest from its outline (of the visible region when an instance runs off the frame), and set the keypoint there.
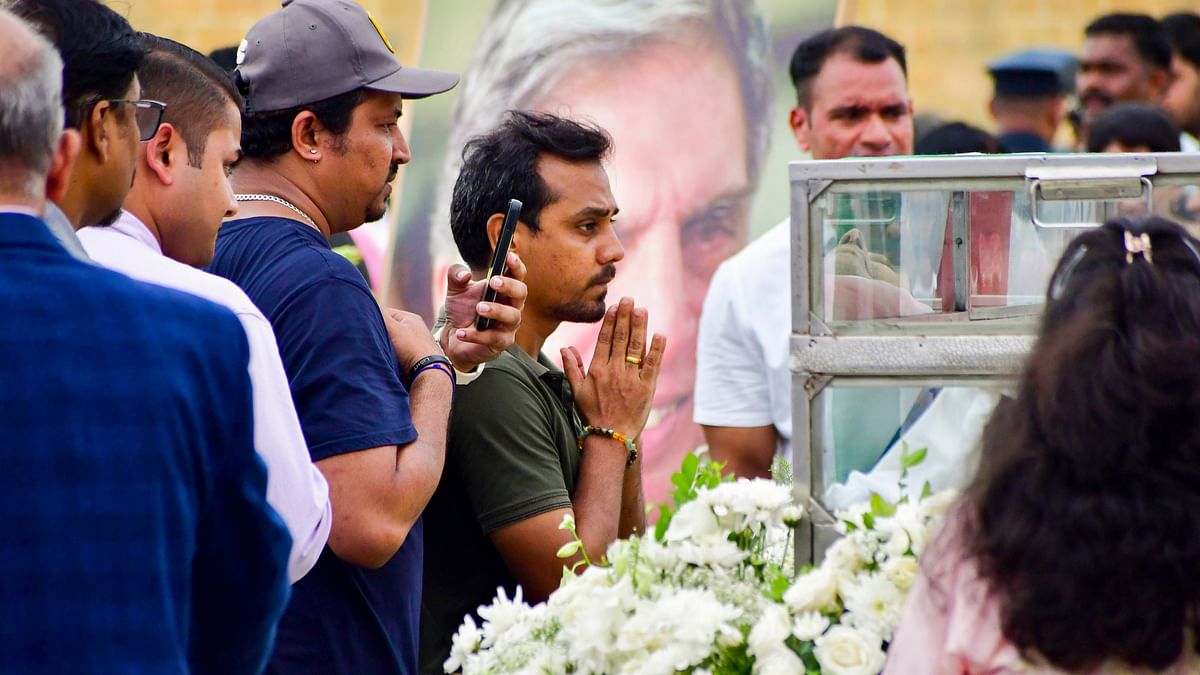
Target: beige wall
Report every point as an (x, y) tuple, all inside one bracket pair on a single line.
[(950, 41), (208, 24)]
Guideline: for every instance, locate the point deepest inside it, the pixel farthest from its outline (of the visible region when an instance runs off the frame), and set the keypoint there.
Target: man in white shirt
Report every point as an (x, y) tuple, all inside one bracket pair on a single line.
[(853, 101), (168, 228)]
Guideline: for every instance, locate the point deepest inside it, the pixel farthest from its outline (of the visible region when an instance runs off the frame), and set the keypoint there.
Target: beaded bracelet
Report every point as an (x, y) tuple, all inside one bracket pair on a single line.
[(616, 436)]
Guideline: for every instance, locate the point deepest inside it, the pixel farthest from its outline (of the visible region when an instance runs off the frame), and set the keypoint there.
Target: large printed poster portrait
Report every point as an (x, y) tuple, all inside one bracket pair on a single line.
[(692, 93)]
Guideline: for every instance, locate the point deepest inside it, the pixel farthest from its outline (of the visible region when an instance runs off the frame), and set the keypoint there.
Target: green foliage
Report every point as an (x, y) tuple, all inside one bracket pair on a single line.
[(781, 470), (695, 474)]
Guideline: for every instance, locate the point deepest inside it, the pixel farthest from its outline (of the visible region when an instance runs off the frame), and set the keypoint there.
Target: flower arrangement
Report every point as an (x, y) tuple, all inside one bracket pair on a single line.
[(711, 590)]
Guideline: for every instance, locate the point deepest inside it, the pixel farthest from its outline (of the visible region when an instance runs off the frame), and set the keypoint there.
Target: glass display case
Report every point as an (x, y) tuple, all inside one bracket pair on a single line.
[(916, 289)]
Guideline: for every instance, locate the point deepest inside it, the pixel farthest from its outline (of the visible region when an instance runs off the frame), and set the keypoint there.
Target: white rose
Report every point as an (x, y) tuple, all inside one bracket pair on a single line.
[(902, 572), (809, 626), (770, 631), (845, 651), (782, 662), (813, 591)]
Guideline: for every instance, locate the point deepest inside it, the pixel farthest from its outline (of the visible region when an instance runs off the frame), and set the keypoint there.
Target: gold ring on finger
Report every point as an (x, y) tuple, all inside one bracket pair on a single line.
[(635, 360)]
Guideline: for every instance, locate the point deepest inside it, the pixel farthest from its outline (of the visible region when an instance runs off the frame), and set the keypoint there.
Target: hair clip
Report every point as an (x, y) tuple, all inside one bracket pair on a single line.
[(1137, 244)]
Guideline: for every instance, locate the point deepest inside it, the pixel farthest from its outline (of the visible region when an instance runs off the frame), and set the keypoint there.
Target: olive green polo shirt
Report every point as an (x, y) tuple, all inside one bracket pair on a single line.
[(511, 455)]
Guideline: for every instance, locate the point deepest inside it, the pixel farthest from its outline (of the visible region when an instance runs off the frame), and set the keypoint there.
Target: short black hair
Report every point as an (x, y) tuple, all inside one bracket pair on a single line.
[(1149, 37), (100, 50), (226, 57), (503, 164), (953, 138), (1183, 30), (1133, 124), (266, 136), (195, 89), (864, 44)]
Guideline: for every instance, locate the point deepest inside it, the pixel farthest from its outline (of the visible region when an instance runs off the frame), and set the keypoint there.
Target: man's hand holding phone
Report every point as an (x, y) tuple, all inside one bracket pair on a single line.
[(463, 342)]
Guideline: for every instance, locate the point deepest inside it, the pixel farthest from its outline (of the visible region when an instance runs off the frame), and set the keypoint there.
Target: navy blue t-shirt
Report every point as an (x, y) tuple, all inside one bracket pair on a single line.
[(345, 381)]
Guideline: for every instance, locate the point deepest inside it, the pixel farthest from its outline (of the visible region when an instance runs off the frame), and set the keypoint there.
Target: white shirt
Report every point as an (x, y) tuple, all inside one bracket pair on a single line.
[(743, 378), (295, 487)]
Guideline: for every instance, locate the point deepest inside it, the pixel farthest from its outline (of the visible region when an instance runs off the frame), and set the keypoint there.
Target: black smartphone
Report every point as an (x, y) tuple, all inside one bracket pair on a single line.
[(500, 257)]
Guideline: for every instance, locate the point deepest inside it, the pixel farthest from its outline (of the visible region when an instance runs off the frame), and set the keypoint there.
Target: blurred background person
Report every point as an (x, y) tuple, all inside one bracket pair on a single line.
[(1126, 58), (1133, 127), (1080, 521), (955, 138), (1183, 94), (1029, 98), (851, 100), (683, 173)]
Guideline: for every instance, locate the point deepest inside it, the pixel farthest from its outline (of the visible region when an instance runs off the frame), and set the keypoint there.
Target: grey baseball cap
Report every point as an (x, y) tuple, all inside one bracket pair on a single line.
[(311, 50)]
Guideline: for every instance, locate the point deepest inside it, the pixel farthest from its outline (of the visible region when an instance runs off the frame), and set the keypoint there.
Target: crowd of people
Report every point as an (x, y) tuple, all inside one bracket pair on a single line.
[(227, 457)]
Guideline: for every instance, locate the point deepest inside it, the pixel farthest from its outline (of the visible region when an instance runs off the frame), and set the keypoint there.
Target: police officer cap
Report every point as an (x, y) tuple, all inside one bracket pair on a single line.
[(1034, 72)]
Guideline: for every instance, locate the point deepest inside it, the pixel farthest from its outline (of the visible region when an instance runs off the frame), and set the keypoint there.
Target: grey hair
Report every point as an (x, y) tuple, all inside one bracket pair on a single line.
[(530, 46), (31, 109)]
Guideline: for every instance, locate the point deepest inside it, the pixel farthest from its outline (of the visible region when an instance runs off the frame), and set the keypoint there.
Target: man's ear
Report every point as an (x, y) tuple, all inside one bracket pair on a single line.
[(61, 165), (1160, 79), (798, 120), (164, 153), (494, 224), (95, 135), (305, 129)]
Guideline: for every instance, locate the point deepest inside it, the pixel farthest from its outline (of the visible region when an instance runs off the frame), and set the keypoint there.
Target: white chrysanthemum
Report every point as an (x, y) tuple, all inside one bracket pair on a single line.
[(590, 609), (844, 556), (710, 551), (464, 643), (814, 591), (873, 603), (853, 516), (502, 616), (846, 651), (809, 626), (732, 507), (678, 630)]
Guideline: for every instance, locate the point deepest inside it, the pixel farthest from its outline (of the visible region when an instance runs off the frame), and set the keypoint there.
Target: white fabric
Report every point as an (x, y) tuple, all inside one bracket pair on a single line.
[(742, 373), (295, 487), (949, 430)]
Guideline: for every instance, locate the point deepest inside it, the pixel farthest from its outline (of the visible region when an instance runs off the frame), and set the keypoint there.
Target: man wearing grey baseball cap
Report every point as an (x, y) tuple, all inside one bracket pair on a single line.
[(372, 389)]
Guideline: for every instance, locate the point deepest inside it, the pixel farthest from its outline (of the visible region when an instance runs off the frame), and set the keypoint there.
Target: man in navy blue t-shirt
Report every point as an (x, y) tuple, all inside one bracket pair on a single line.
[(372, 389)]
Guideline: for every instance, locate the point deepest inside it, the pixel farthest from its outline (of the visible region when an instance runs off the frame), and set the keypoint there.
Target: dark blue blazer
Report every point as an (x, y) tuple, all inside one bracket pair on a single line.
[(135, 536)]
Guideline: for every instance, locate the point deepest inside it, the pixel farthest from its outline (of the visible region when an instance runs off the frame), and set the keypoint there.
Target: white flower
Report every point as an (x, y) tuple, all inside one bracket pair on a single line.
[(676, 631), (500, 617), (935, 506), (873, 603), (846, 651), (464, 643), (769, 632), (780, 662), (902, 571), (844, 555), (809, 626), (815, 590)]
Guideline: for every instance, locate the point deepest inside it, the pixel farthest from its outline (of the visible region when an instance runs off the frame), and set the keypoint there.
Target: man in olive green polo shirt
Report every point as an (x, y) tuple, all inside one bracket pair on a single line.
[(515, 463)]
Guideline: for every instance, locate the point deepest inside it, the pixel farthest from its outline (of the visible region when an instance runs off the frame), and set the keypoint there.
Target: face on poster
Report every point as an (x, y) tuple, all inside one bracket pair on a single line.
[(685, 89)]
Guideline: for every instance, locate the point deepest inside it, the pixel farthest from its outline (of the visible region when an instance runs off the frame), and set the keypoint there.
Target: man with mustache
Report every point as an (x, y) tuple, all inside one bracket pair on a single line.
[(323, 93), (530, 444), (1126, 57)]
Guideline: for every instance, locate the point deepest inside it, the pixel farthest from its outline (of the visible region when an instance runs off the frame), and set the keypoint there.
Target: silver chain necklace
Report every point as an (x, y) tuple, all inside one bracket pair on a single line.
[(278, 200)]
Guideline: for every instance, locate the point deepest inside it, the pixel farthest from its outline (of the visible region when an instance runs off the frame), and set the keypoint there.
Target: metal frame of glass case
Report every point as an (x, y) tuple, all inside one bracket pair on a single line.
[(963, 342)]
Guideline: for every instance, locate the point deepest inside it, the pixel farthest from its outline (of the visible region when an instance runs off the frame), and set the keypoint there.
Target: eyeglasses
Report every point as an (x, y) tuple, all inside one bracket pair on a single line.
[(147, 113)]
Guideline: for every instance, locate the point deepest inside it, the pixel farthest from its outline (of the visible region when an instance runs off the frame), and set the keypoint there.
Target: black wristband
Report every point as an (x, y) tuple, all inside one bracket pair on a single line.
[(425, 363)]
